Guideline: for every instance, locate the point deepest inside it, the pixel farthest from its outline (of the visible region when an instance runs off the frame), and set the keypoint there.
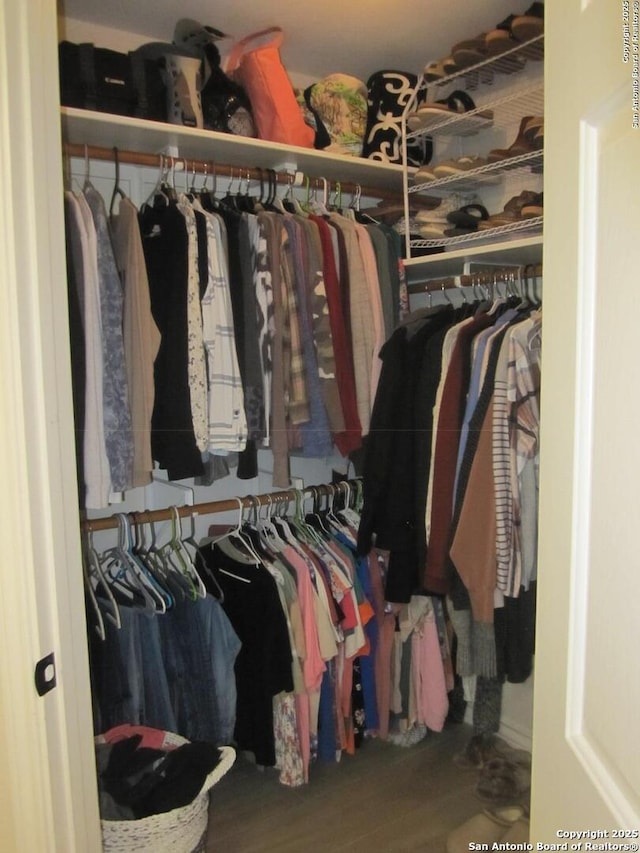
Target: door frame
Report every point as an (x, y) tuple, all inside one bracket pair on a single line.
[(48, 797)]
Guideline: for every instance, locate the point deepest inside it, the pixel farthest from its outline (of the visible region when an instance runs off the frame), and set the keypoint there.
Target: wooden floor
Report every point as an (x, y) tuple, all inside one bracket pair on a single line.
[(386, 798)]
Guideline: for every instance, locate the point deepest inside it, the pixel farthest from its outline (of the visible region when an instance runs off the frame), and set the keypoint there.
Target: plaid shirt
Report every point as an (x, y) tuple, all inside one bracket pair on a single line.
[(523, 394), (296, 397)]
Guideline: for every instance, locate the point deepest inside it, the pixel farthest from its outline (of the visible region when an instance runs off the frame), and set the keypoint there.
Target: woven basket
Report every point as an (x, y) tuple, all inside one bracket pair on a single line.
[(182, 830)]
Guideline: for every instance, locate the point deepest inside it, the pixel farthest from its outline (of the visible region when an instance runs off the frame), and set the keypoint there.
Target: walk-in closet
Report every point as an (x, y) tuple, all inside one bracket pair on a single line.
[(357, 393)]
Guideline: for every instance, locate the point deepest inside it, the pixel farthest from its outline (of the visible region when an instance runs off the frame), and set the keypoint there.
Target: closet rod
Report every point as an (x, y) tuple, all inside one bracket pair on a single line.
[(227, 170), (214, 507), (481, 277)]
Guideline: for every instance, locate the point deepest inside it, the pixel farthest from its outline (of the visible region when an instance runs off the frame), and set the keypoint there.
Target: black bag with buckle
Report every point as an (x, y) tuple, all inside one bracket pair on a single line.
[(96, 78), (225, 104)]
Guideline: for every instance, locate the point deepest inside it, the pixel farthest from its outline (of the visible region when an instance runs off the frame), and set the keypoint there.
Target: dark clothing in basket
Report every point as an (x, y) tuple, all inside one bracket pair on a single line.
[(136, 782)]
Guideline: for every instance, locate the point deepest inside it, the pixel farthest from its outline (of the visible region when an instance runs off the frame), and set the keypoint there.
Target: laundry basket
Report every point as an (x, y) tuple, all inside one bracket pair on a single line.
[(182, 830)]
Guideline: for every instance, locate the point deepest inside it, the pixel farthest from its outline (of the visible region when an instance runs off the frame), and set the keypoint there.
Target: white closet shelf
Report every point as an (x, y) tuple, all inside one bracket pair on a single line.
[(522, 251), (84, 127)]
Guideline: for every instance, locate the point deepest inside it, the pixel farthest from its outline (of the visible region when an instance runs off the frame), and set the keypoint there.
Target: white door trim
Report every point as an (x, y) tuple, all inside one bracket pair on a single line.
[(48, 785)]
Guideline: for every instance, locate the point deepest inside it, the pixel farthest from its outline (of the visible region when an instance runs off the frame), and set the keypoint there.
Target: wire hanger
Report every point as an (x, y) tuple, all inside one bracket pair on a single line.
[(101, 595), (159, 190), (236, 532)]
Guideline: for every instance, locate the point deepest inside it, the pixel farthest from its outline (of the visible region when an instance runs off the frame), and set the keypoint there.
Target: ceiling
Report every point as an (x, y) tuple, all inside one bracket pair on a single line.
[(351, 36)]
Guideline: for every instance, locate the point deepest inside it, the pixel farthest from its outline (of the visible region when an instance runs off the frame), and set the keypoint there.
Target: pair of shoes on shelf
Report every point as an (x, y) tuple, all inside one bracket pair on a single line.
[(458, 103), (514, 30), (449, 168), (527, 205), (457, 167), (507, 825), (530, 138), (456, 223), (435, 224)]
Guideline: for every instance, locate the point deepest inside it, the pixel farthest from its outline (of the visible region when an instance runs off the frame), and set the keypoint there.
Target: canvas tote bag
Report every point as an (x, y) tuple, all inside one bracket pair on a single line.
[(259, 70)]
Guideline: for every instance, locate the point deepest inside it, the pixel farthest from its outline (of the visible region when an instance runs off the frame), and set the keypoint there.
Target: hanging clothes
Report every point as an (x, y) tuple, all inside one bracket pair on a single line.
[(305, 301), (141, 335), (466, 386), (165, 241), (117, 416), (90, 418)]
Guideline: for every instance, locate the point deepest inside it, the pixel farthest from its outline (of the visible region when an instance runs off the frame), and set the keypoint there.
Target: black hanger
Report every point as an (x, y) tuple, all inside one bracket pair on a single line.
[(117, 189), (208, 197)]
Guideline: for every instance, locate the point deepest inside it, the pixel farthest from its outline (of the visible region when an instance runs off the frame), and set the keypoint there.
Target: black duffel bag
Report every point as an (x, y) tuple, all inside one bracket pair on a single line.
[(96, 78)]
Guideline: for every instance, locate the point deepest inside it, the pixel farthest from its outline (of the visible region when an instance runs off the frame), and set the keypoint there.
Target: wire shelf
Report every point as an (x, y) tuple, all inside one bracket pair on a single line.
[(522, 226), (484, 72), (487, 175), (506, 109)]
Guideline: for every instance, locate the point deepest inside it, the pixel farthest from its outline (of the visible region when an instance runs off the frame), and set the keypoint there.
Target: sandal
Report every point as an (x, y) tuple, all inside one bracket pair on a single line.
[(501, 38), (457, 103), (458, 166), (530, 24), (469, 216), (423, 174), (533, 208), (434, 71), (522, 144), (512, 211), (515, 204), (470, 51)]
